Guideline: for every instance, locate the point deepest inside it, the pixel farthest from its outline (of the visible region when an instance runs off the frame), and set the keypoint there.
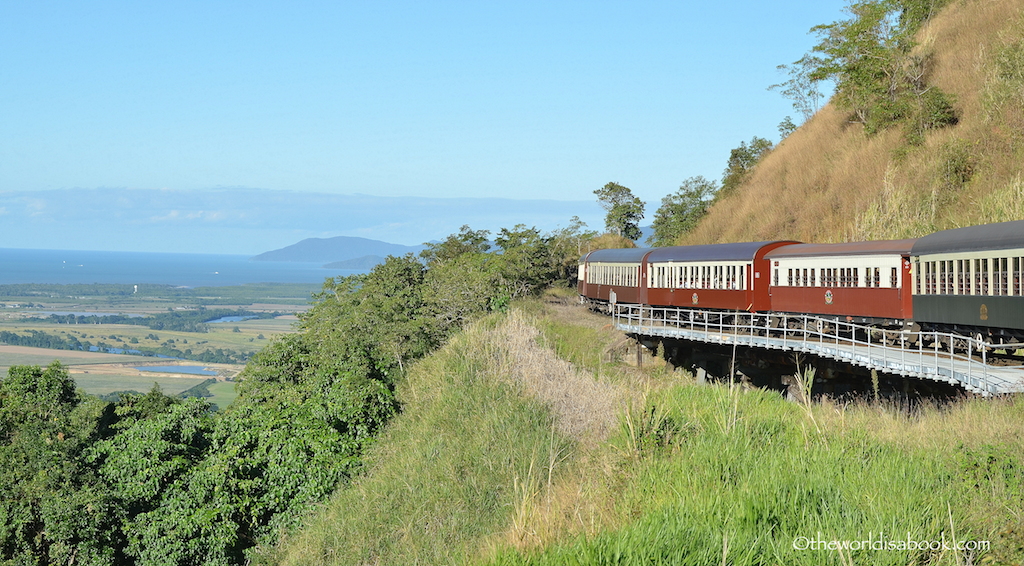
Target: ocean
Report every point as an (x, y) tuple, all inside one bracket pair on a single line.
[(187, 270)]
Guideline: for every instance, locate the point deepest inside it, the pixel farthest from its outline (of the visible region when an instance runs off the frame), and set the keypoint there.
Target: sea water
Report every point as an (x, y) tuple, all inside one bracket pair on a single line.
[(187, 270)]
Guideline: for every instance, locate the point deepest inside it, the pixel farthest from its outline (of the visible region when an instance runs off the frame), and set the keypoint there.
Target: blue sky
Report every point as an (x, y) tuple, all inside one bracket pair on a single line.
[(516, 100)]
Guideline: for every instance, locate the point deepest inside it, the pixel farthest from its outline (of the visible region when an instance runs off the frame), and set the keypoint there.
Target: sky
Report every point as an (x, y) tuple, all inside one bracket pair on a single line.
[(442, 100)]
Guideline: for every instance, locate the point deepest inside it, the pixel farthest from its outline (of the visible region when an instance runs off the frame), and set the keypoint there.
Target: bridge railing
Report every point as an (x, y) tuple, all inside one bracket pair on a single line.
[(933, 353)]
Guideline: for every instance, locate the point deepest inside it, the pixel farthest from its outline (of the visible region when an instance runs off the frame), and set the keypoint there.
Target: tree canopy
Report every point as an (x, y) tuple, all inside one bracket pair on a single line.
[(681, 211), (625, 210)]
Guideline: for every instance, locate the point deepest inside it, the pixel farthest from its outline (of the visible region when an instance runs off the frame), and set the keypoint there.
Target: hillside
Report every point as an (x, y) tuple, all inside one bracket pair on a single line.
[(829, 181), (527, 440)]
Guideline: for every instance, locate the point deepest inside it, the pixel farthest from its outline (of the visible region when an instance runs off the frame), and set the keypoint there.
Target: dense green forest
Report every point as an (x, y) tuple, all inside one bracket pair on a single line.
[(151, 479)]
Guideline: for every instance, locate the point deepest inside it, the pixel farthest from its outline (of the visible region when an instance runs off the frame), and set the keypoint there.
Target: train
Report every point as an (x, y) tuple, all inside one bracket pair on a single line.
[(966, 281)]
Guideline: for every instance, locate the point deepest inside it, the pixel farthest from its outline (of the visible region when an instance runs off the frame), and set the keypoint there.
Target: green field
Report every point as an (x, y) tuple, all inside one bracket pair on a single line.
[(223, 393), (246, 337), (43, 357), (100, 383)]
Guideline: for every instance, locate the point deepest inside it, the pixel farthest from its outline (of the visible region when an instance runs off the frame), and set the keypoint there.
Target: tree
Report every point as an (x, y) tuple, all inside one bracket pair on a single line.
[(568, 244), (624, 210), (786, 127), (877, 76), (466, 241), (801, 87), (741, 161), (680, 212)]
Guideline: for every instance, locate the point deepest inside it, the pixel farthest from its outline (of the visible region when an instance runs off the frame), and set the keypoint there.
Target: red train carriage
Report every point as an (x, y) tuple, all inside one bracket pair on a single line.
[(613, 276), (715, 276), (865, 282)]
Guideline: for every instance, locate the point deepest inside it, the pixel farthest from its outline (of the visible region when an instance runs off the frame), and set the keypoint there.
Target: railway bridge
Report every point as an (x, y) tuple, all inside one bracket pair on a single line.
[(967, 362)]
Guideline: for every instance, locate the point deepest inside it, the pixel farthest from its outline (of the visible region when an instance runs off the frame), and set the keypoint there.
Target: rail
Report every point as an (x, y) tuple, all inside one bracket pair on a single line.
[(938, 356)]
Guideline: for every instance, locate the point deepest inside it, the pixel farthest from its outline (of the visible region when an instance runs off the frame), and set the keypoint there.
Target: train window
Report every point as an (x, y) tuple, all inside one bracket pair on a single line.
[(775, 278), (1016, 277), (812, 278), (1003, 276), (789, 281), (894, 277), (984, 277)]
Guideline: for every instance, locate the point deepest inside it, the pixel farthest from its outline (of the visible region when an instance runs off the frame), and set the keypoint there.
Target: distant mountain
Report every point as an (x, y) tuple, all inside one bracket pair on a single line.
[(340, 248), (366, 262)]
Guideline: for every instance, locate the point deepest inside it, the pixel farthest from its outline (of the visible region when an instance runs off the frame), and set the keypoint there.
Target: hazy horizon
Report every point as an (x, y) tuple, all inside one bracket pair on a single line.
[(243, 221)]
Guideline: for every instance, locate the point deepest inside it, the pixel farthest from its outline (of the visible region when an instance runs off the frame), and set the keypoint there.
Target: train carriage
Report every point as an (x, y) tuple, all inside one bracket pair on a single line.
[(864, 282), (713, 276), (972, 279), (613, 275)]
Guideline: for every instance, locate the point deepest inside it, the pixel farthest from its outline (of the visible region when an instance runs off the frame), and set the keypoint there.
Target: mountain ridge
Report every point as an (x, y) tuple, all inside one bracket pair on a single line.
[(336, 249)]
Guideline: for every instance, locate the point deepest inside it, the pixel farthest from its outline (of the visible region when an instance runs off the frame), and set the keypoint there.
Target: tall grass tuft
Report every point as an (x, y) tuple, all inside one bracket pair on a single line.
[(749, 493)]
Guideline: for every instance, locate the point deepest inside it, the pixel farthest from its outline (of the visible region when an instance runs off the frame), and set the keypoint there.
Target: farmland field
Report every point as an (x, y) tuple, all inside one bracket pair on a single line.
[(101, 373)]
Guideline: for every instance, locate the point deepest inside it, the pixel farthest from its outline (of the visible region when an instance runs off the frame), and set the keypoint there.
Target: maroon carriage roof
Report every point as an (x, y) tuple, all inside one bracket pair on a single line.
[(877, 247)]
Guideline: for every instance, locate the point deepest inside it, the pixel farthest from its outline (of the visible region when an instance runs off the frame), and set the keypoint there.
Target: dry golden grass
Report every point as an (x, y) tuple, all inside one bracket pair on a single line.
[(830, 182), (584, 408)]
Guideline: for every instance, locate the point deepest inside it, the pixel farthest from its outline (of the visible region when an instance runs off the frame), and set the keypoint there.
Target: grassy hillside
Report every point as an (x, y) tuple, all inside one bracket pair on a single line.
[(829, 181), (507, 453)]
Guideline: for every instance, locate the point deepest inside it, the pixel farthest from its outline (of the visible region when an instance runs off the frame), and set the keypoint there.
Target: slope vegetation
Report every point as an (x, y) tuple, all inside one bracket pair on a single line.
[(506, 453), (829, 181)]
